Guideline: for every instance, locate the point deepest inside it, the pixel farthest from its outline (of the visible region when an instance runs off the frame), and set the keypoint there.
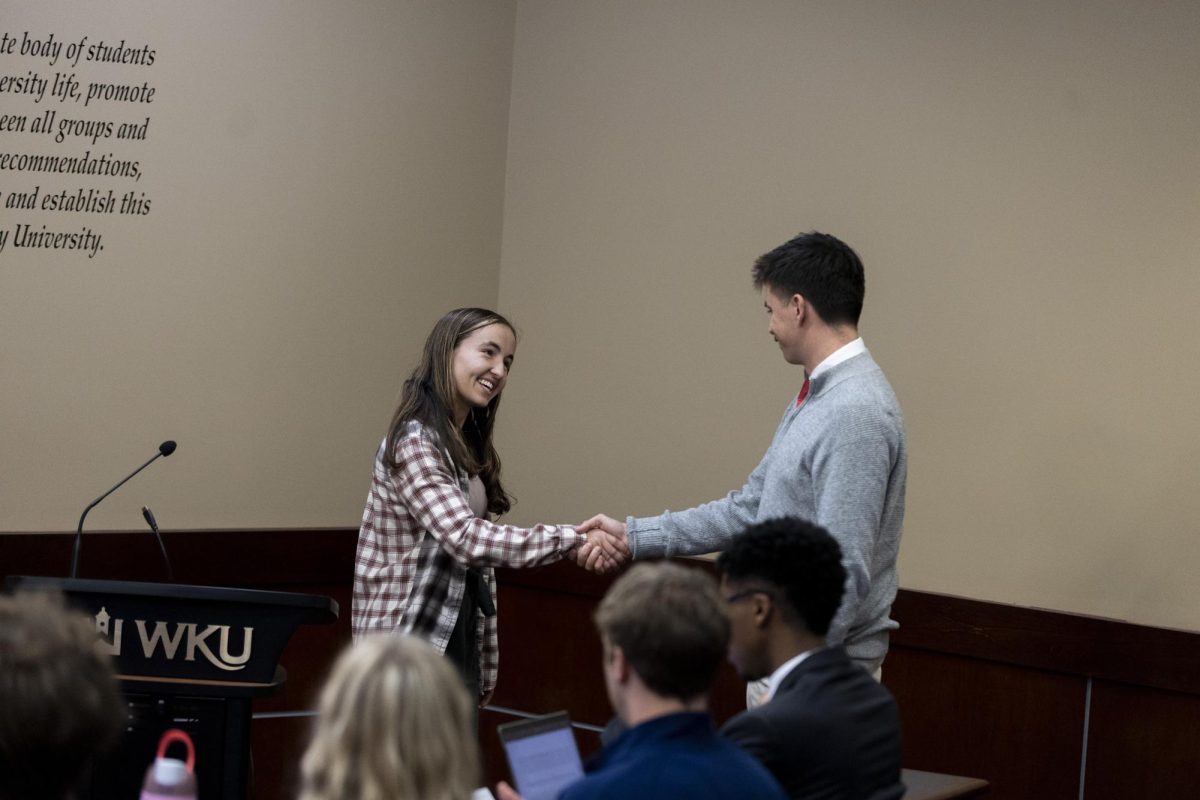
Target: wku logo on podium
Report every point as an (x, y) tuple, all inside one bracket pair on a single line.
[(176, 638)]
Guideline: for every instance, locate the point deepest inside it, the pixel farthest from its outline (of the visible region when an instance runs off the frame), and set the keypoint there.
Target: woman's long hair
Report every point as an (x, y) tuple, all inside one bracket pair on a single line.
[(395, 724), (429, 395)]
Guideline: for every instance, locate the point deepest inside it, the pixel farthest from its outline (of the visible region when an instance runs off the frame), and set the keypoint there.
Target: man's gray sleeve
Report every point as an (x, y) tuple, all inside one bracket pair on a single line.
[(703, 529)]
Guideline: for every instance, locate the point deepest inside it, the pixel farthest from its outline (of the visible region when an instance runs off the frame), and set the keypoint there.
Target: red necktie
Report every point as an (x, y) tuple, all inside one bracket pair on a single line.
[(803, 394)]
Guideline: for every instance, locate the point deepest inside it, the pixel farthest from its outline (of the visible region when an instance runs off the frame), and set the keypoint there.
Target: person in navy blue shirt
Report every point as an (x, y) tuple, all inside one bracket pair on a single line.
[(665, 633)]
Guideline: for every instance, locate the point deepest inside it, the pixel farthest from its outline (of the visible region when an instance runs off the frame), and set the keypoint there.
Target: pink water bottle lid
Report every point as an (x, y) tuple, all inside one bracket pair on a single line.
[(176, 735), (171, 778)]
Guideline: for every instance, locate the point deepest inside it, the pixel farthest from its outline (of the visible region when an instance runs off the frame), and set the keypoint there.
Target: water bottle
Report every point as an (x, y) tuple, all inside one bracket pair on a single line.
[(170, 778)]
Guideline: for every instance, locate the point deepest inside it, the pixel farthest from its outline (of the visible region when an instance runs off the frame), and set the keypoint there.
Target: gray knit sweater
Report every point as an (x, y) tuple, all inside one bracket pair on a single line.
[(838, 460)]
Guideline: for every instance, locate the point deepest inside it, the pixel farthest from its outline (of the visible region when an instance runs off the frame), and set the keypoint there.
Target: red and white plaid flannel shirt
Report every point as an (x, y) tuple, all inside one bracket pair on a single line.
[(417, 539)]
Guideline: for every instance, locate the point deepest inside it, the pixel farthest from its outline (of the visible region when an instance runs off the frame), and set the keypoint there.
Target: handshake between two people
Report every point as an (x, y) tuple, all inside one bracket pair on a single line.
[(605, 548)]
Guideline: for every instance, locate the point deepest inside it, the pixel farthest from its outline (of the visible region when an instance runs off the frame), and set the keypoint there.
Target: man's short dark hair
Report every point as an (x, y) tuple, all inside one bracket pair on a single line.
[(670, 622), (798, 559), (822, 268), (59, 705)]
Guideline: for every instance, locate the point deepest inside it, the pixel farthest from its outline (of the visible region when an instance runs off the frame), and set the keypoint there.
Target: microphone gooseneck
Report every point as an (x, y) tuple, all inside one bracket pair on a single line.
[(164, 449)]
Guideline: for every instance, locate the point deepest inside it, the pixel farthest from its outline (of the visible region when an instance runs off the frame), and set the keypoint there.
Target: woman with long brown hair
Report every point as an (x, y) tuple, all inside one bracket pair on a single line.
[(427, 544)]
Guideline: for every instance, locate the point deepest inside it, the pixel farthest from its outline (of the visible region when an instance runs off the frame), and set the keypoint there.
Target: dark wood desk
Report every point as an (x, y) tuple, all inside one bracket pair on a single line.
[(935, 786)]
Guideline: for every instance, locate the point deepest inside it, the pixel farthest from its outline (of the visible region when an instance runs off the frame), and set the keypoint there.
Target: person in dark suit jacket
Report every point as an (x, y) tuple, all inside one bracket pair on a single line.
[(827, 729)]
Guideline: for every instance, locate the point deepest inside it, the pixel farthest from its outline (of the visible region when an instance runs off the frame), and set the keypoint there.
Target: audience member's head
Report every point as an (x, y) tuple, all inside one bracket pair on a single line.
[(664, 633), (59, 704), (395, 722), (783, 581)]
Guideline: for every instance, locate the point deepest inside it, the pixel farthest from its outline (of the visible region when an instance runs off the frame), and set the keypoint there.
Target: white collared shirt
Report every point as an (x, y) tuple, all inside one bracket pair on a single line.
[(843, 353)]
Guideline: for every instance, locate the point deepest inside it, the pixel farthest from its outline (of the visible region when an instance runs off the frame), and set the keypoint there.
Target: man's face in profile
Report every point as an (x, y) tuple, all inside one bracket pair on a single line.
[(746, 638), (783, 324)]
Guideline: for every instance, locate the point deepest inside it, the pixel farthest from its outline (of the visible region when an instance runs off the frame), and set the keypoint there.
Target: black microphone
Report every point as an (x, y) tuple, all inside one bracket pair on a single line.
[(164, 449), (148, 515)]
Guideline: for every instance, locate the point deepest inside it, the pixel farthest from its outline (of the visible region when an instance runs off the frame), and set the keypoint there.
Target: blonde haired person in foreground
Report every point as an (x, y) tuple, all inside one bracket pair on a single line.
[(395, 722)]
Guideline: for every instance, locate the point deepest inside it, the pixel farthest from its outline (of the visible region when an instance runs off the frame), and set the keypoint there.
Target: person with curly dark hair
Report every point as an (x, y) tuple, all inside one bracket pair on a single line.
[(827, 729)]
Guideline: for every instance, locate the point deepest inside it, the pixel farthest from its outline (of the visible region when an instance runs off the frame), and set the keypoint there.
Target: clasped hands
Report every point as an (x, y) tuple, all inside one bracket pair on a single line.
[(606, 547)]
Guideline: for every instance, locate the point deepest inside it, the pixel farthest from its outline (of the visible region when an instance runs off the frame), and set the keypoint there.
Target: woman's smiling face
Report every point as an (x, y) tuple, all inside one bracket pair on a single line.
[(480, 366)]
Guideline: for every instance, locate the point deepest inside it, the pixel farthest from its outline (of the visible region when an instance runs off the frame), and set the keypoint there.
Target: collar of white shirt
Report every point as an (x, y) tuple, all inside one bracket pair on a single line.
[(843, 353), (778, 675)]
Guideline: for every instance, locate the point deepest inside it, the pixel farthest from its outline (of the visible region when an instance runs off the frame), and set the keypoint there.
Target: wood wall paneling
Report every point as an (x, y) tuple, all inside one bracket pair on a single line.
[(1142, 743), (1019, 729), (1049, 640)]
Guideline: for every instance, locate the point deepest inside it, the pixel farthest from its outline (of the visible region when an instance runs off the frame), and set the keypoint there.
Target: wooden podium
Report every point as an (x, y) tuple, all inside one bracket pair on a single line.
[(189, 657)]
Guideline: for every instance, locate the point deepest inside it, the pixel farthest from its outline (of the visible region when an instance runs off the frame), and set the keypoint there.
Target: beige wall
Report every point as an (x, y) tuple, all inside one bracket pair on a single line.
[(325, 183), (1022, 181)]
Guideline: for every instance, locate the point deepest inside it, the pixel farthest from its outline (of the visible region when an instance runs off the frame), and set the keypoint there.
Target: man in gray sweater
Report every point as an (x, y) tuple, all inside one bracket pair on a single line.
[(838, 456)]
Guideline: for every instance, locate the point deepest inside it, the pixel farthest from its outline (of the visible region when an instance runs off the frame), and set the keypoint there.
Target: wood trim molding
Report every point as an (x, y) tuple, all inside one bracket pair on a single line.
[(1033, 638), (220, 557), (1027, 637)]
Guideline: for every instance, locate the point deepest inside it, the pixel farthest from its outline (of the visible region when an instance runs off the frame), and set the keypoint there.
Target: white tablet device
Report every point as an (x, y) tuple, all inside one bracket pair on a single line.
[(542, 755)]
